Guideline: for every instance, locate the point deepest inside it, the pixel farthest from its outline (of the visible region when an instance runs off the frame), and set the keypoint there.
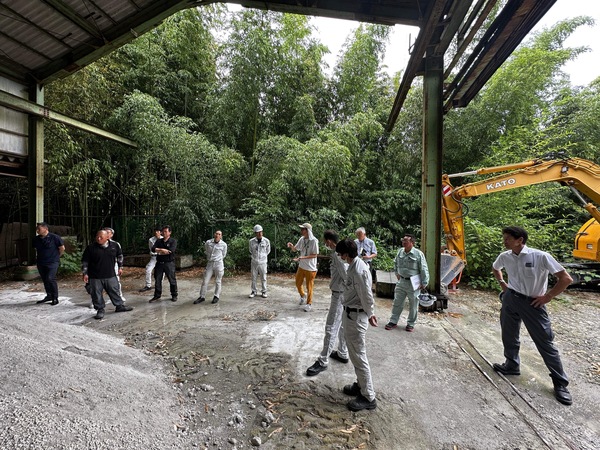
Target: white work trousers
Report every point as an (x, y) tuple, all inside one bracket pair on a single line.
[(334, 329), (355, 327), (149, 269), (119, 281), (259, 269), (217, 268)]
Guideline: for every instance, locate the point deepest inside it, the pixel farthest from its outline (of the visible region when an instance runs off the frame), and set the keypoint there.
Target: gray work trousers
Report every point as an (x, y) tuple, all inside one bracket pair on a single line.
[(112, 288), (334, 329), (216, 268), (259, 269), (402, 291), (355, 327), (516, 308)]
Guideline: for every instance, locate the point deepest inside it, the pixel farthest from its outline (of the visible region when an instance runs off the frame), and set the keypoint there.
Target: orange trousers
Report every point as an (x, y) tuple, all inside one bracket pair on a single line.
[(309, 276)]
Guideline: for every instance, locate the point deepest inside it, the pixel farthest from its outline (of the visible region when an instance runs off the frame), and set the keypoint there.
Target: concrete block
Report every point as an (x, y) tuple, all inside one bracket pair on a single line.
[(386, 283)]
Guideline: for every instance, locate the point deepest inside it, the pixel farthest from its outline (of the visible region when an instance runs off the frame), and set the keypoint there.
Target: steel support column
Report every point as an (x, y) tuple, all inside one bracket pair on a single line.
[(35, 165), (431, 186)]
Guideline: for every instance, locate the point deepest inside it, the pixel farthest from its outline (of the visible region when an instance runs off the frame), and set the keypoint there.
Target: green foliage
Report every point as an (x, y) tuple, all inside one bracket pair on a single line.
[(71, 262), (304, 125), (272, 81), (386, 254), (483, 244), (236, 122), (238, 254), (355, 77), (175, 63)]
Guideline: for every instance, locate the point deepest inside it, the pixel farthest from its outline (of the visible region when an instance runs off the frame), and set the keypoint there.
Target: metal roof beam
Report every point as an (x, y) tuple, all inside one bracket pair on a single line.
[(458, 12), (19, 104), (416, 59), (75, 18), (118, 36), (464, 42), (505, 34), (386, 13)]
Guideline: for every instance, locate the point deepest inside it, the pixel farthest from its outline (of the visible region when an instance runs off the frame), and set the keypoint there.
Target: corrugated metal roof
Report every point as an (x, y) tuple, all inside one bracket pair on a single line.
[(42, 40)]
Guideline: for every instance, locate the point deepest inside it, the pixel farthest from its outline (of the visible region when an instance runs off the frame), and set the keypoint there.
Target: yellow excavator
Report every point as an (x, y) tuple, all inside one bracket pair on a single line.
[(580, 175)]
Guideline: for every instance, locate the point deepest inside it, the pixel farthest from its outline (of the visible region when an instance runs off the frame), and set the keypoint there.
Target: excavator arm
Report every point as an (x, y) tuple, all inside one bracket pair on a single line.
[(582, 176)]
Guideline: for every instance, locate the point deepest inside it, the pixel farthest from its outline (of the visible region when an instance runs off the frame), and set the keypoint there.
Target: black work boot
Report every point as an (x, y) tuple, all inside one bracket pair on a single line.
[(123, 308), (316, 369), (352, 389), (360, 403), (562, 394), (504, 369)]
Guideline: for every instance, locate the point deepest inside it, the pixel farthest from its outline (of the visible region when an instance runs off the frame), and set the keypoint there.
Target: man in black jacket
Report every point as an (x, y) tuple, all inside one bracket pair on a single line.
[(98, 267), (165, 264), (49, 248)]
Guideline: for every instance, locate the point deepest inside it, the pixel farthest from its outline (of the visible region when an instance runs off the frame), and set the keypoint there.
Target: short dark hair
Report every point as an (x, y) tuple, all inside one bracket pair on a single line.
[(347, 247), (331, 235), (168, 227), (157, 228), (516, 232), (411, 236), (41, 224)]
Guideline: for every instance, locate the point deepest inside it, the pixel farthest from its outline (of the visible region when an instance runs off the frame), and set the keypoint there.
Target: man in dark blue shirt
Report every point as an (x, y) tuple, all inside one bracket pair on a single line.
[(49, 248)]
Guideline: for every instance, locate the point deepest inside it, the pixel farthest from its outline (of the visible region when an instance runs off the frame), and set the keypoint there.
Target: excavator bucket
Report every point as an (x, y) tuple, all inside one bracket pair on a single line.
[(450, 267)]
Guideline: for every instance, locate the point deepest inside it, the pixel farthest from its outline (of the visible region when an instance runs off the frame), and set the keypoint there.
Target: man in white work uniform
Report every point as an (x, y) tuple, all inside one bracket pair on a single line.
[(216, 251), (259, 247)]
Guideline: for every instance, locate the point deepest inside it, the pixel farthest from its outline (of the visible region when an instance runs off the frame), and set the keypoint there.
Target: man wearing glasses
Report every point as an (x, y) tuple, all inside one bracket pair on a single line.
[(412, 273)]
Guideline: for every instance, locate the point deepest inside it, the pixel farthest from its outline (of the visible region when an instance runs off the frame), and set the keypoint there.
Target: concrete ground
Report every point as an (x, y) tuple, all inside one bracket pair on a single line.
[(239, 368)]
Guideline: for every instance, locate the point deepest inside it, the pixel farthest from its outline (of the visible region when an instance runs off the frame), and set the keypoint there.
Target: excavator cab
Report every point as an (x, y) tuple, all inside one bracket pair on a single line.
[(587, 241)]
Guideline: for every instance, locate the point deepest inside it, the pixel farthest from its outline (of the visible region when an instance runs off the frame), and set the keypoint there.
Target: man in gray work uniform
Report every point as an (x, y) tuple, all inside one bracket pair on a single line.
[(359, 312), (333, 324), (409, 262), (523, 300)]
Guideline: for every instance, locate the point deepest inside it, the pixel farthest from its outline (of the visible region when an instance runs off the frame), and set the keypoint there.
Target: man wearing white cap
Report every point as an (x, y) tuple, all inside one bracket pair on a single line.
[(308, 246), (259, 247)]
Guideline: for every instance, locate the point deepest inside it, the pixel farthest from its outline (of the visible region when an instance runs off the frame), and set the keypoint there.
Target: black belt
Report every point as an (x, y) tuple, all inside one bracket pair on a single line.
[(404, 278), (519, 295), (349, 310)]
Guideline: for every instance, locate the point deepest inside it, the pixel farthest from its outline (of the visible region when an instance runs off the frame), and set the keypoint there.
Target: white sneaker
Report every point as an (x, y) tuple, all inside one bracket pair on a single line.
[(252, 294), (264, 295), (302, 301), (307, 308)]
